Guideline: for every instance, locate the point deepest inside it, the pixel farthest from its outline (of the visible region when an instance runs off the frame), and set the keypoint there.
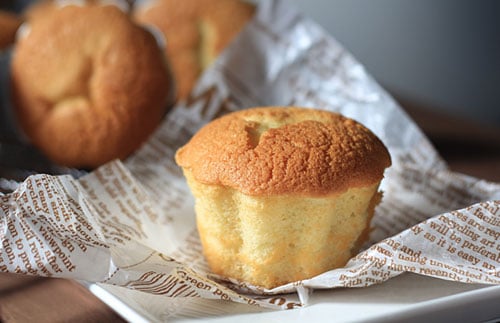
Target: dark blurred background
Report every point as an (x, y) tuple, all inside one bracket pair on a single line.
[(440, 54)]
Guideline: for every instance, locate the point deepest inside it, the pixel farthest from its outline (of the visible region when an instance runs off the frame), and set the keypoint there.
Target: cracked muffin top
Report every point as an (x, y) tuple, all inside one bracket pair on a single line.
[(285, 150)]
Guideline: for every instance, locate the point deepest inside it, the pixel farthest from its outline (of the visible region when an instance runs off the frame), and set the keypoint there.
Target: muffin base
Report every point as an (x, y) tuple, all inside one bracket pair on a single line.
[(269, 241)]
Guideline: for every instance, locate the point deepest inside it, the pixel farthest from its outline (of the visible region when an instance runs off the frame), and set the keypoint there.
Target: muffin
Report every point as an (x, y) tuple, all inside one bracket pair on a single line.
[(282, 194), (9, 23), (88, 85), (196, 32)]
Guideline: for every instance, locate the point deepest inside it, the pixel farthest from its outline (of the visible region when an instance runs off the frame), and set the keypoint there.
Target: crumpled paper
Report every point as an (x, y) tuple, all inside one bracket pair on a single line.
[(132, 223)]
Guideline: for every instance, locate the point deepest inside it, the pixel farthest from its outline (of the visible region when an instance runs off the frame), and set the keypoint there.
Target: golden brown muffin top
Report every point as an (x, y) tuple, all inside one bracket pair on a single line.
[(196, 32), (278, 150)]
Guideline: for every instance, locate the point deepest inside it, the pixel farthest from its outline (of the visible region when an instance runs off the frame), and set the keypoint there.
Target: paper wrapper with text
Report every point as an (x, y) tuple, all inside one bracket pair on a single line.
[(132, 224)]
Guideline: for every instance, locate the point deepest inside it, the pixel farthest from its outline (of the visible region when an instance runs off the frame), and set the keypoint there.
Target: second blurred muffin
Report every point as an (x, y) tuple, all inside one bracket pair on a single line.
[(196, 32)]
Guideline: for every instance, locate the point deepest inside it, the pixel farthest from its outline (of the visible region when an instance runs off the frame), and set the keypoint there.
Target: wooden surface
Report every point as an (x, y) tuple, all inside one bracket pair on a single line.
[(29, 299), (469, 148)]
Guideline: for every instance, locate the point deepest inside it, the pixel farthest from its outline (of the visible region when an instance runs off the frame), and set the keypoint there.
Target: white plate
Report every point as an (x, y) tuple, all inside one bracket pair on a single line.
[(407, 298)]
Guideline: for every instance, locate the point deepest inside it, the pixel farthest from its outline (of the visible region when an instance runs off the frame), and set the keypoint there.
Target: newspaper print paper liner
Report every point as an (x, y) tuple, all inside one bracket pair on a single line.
[(132, 224)]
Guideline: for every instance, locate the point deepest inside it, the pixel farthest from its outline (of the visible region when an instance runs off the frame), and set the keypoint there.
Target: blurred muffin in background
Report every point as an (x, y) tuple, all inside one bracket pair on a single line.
[(196, 32), (92, 91)]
